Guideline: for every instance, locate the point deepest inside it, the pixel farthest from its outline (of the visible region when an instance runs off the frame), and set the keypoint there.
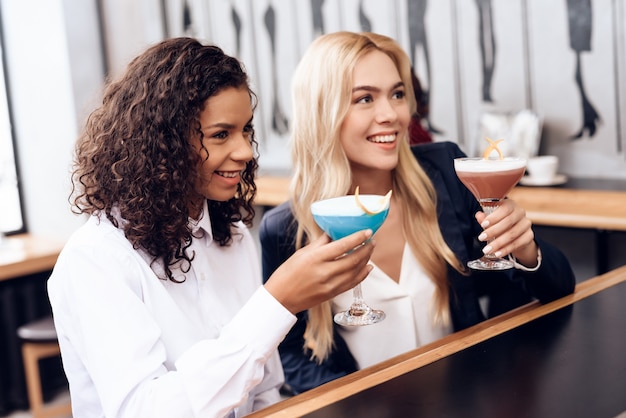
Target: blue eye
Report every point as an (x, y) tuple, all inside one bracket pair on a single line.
[(364, 99)]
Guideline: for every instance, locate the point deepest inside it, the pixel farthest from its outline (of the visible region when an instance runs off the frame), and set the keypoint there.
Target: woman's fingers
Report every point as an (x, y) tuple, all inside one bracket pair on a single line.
[(506, 229), (345, 245), (321, 270)]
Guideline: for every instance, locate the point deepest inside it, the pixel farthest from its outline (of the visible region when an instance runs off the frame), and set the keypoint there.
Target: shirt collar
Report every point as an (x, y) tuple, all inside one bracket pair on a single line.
[(201, 228)]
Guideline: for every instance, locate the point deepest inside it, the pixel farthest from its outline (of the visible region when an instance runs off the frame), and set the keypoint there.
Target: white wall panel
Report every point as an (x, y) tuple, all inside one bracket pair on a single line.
[(534, 66), (435, 61), (559, 96)]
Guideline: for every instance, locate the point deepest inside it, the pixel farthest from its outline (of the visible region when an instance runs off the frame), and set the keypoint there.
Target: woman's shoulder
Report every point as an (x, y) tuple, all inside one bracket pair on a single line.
[(277, 220), (97, 250), (98, 231), (437, 151), (97, 240)]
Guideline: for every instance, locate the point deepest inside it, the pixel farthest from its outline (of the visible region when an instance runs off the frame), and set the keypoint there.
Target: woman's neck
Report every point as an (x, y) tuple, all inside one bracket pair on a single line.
[(372, 182)]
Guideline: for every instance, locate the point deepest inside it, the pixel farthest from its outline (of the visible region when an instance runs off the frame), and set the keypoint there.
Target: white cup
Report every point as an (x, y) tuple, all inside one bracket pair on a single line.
[(542, 169)]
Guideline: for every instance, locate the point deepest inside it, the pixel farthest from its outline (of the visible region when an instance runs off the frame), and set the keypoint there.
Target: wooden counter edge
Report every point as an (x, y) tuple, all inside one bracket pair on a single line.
[(363, 379), (38, 254), (273, 190)]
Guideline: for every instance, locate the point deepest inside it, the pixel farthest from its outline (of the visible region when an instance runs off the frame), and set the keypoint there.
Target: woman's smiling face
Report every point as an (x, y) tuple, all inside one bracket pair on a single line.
[(226, 123), (378, 116)]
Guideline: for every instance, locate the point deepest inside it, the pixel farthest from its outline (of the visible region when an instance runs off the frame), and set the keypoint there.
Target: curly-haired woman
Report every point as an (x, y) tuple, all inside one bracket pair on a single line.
[(158, 300)]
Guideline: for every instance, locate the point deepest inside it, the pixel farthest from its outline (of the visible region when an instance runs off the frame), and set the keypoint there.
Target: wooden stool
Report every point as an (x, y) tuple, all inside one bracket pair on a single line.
[(39, 340)]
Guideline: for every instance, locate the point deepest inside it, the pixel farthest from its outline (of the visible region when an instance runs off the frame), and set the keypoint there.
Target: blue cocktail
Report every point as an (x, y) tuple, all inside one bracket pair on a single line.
[(340, 217)]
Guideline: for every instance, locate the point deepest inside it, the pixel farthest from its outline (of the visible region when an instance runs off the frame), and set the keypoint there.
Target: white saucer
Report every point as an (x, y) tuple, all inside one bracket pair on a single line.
[(555, 181)]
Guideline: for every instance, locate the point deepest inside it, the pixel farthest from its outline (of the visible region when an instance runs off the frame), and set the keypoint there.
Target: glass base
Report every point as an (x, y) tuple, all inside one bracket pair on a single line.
[(356, 317), (490, 264)]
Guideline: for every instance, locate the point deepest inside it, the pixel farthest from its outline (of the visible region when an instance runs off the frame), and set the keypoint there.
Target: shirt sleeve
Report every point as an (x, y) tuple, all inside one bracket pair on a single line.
[(111, 341), (236, 358)]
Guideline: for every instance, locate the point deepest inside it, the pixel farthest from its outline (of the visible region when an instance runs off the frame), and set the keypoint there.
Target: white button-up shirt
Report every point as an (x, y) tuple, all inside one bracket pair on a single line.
[(136, 345)]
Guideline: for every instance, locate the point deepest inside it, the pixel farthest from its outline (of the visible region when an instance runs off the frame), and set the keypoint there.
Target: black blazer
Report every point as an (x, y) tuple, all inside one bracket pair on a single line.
[(455, 210)]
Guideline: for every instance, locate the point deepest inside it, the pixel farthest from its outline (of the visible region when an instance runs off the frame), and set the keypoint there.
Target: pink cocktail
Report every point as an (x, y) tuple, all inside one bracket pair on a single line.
[(490, 180)]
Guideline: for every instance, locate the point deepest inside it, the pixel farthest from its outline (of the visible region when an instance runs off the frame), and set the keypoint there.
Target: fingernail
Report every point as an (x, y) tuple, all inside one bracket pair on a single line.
[(498, 253), (482, 237), (487, 249), (485, 224)]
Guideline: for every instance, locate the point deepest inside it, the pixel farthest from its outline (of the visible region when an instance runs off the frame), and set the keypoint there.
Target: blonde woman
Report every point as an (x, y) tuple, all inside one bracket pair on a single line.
[(352, 103)]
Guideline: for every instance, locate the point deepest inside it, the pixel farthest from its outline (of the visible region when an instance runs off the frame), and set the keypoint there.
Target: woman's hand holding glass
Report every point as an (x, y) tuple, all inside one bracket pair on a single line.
[(321, 270), (511, 231)]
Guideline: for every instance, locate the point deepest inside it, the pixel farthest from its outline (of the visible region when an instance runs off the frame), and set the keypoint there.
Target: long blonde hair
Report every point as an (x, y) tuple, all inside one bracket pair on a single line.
[(321, 93)]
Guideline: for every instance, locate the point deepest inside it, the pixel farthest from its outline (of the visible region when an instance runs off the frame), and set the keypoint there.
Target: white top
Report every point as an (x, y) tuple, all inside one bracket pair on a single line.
[(408, 306), (134, 345)]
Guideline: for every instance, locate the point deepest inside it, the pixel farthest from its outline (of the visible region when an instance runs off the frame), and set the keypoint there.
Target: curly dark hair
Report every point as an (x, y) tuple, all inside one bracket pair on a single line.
[(135, 159)]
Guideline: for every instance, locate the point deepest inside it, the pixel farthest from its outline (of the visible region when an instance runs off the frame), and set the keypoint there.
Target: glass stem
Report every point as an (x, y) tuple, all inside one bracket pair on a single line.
[(358, 305), (357, 294)]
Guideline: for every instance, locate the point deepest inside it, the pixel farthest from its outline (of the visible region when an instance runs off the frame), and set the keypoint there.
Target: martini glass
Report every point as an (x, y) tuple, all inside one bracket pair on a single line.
[(490, 180), (340, 217)]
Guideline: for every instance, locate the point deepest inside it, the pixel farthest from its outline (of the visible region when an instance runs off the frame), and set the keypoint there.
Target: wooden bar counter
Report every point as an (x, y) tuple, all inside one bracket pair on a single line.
[(271, 190), (550, 206), (573, 208), (25, 254), (564, 358)]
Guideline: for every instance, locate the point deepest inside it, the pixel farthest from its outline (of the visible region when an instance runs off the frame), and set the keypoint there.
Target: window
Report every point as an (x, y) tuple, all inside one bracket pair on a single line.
[(10, 204)]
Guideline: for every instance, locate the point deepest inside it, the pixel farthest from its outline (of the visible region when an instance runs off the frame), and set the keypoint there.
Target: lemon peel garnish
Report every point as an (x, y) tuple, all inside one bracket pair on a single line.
[(493, 146), (383, 202)]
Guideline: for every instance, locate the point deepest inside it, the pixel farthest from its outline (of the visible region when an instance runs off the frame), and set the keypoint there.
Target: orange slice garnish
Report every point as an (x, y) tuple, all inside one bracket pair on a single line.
[(383, 202), (493, 146)]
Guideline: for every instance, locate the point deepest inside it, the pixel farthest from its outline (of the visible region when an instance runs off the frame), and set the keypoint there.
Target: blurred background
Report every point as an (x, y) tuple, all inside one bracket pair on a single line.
[(481, 63), (548, 76)]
